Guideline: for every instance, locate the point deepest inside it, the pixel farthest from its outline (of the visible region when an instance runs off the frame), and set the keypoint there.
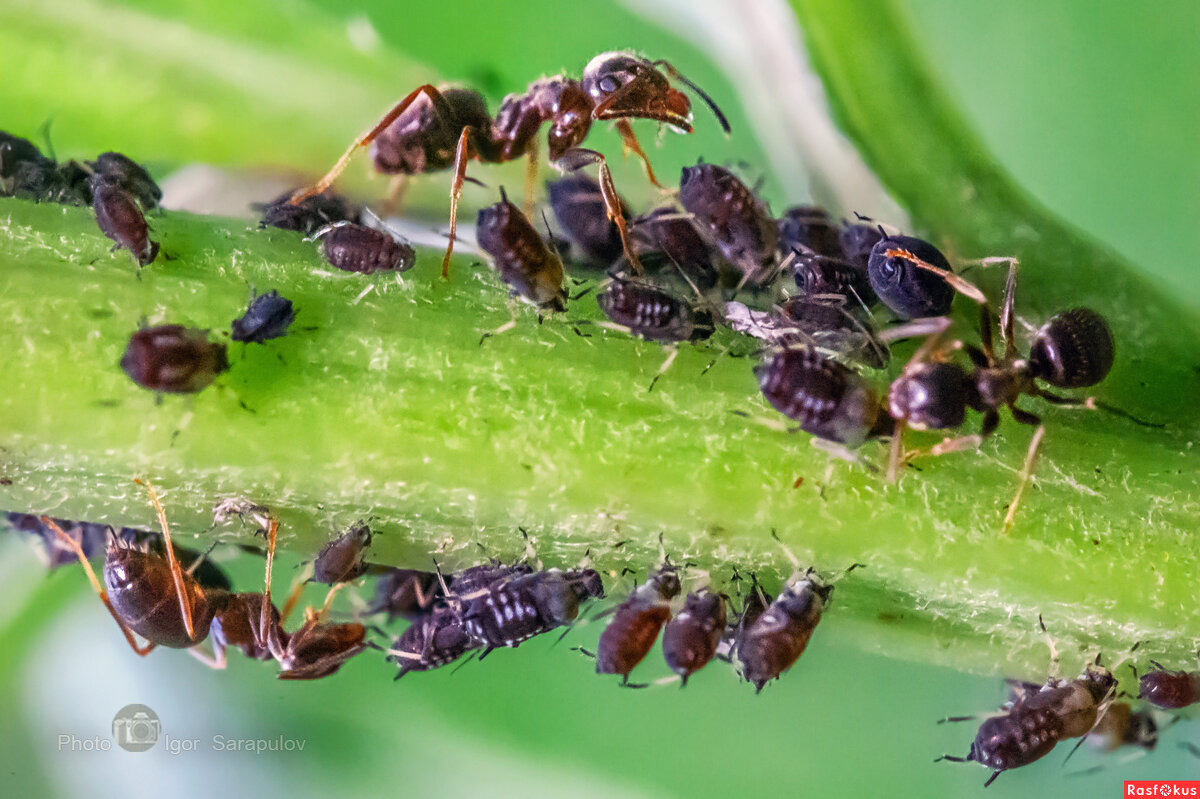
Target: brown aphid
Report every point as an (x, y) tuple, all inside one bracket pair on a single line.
[(403, 592), (809, 228), (343, 558), (173, 359), (691, 638), (738, 223), (634, 626), (667, 241), (1169, 689), (444, 128), (357, 248), (653, 313), (532, 271), (776, 639), (121, 219)]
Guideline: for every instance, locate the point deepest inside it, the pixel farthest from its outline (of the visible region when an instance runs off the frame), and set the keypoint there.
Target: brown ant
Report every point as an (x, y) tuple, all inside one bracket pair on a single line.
[(434, 129)]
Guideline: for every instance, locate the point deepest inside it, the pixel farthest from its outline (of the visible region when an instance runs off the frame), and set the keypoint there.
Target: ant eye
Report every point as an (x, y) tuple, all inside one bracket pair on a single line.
[(609, 84)]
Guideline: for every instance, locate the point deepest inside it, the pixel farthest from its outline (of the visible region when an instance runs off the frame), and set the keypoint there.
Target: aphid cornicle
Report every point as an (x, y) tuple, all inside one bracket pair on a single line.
[(690, 639), (909, 289), (654, 313), (268, 316), (517, 609), (1169, 689), (829, 400), (808, 227), (531, 270), (775, 640), (738, 223), (634, 626), (120, 219), (173, 359), (357, 248), (434, 640)]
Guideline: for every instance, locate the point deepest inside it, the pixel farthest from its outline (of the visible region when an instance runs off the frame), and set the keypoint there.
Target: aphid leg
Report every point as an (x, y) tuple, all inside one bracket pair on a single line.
[(504, 328), (531, 172), (629, 140), (1054, 658), (217, 661), (842, 452), (100, 592), (1191, 747), (952, 759), (672, 353), (185, 602), (1093, 404), (462, 154), (1007, 313), (1026, 476), (787, 552), (440, 106)]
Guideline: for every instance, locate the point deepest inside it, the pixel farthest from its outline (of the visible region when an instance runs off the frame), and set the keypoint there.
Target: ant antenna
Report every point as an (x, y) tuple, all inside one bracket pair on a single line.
[(677, 75)]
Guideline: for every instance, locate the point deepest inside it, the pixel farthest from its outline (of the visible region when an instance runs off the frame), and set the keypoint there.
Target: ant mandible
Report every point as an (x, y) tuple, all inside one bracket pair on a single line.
[(434, 129)]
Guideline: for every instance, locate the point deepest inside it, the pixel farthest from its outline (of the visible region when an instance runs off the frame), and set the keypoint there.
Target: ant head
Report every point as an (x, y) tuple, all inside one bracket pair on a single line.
[(624, 86), (1099, 680)]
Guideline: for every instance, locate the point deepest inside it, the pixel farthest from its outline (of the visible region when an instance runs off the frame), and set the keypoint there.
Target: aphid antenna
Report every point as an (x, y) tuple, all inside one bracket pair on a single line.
[(1190, 747), (468, 659), (378, 223)]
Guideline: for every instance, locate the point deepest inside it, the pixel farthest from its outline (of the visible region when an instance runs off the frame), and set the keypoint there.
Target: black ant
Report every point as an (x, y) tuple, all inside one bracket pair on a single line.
[(434, 129)]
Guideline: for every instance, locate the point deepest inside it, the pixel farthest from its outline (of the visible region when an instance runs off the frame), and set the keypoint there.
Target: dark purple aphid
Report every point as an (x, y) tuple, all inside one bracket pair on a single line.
[(775, 640), (129, 175), (517, 609), (839, 325), (667, 243), (691, 638), (1032, 725), (822, 276), (578, 205), (738, 223), (173, 359), (343, 558), (310, 215), (406, 593), (857, 241), (358, 248), (909, 289), (1170, 689), (808, 228), (91, 538), (530, 269), (634, 626), (269, 316), (121, 219), (432, 641), (829, 400), (653, 313), (483, 576)]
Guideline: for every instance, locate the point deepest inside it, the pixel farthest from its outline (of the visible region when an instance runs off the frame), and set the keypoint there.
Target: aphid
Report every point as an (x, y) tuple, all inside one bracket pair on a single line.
[(514, 610), (434, 129), (269, 316), (432, 641), (691, 638), (808, 228), (308, 216), (822, 275), (834, 323), (173, 359), (357, 248), (91, 538), (857, 241), (753, 605), (653, 313), (1030, 727), (1121, 725), (1169, 689), (15, 150), (775, 640), (403, 592), (667, 242), (829, 400), (120, 219), (634, 626), (738, 223), (531, 270), (129, 175), (906, 286), (342, 558), (578, 204)]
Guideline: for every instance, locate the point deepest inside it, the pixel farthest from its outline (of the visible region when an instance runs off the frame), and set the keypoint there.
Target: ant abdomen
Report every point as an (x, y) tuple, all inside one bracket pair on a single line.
[(142, 591), (1074, 349)]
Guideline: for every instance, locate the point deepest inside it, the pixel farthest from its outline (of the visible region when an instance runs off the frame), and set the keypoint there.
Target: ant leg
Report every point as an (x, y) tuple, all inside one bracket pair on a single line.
[(579, 157), (100, 592), (397, 188), (842, 452), (1026, 476), (531, 171), (631, 143), (1007, 314), (1093, 404), (185, 602), (439, 104), (293, 598), (462, 154), (216, 662), (896, 455)]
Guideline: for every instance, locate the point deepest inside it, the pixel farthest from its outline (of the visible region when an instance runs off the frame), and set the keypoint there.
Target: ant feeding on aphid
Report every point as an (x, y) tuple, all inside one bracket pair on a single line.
[(531, 270), (691, 638), (352, 247), (173, 359), (309, 216), (740, 226), (435, 129), (1038, 717), (268, 316), (770, 644)]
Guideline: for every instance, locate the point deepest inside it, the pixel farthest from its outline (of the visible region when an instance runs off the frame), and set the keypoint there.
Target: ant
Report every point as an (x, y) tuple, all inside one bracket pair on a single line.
[(1073, 349), (434, 129)]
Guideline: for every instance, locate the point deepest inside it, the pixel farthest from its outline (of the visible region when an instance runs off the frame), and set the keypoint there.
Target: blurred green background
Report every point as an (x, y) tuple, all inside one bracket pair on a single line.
[(1094, 107)]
